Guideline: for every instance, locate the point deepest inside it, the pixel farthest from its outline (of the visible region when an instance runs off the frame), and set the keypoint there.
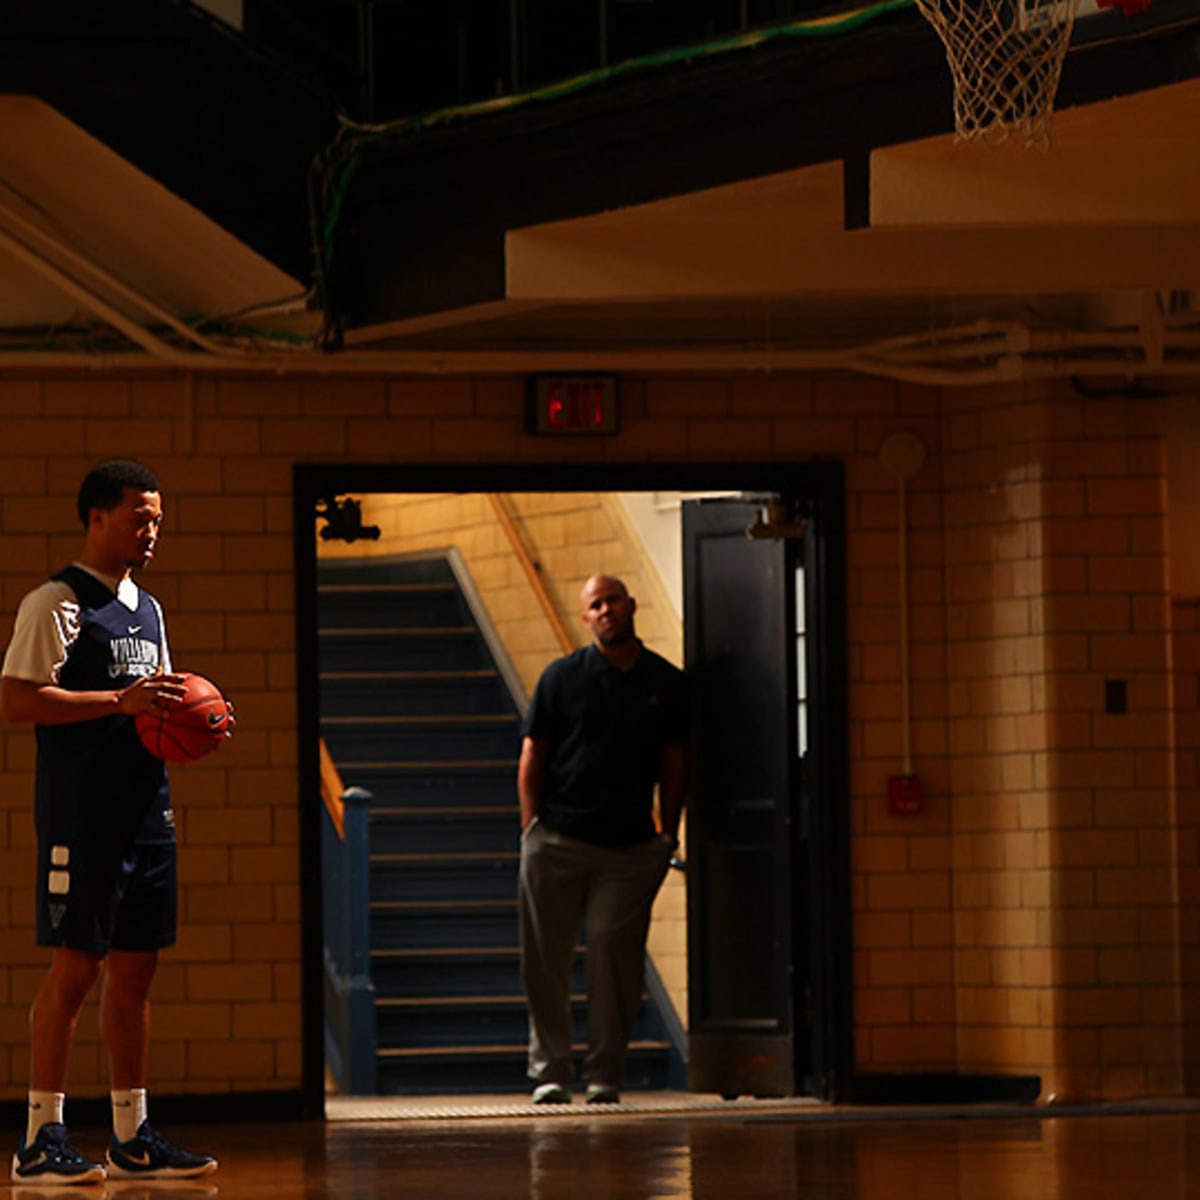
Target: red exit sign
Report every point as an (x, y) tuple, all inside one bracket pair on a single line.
[(573, 404)]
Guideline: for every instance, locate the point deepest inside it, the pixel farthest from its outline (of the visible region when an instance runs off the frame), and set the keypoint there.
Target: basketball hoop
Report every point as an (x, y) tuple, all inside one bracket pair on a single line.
[(1006, 58)]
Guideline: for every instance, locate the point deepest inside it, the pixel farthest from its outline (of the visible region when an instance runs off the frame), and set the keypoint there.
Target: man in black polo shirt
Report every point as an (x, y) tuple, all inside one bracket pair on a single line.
[(607, 724)]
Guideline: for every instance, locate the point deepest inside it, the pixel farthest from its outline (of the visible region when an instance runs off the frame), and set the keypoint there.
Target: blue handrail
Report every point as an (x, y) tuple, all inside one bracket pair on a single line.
[(349, 990)]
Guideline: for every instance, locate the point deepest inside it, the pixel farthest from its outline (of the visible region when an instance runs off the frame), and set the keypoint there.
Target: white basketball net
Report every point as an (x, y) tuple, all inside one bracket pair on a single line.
[(1006, 57)]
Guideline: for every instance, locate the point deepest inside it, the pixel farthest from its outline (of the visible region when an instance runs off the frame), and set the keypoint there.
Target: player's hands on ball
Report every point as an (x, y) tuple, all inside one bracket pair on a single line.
[(182, 728), (158, 691)]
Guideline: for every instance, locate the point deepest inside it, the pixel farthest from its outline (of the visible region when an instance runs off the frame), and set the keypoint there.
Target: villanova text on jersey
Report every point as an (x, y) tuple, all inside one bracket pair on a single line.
[(132, 656)]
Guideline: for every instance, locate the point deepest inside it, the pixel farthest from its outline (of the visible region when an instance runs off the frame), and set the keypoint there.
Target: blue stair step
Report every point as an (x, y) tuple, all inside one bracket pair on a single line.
[(481, 1020), (397, 924), (498, 1069), (431, 568), (353, 604), (485, 828), (449, 877), (437, 1021), (413, 693), (449, 786), (417, 648), (405, 740), (459, 971)]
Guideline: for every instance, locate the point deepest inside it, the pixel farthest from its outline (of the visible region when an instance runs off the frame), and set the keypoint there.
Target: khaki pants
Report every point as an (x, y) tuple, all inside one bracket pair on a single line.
[(566, 883)]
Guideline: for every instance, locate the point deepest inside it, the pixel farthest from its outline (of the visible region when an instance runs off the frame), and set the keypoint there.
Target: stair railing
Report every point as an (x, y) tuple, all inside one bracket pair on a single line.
[(532, 571), (349, 990)]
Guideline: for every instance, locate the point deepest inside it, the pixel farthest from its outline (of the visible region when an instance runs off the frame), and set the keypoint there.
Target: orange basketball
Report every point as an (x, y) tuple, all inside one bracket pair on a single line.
[(189, 730)]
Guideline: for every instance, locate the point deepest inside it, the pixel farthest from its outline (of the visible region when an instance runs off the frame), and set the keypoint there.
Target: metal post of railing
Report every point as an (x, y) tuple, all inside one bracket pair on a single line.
[(360, 989)]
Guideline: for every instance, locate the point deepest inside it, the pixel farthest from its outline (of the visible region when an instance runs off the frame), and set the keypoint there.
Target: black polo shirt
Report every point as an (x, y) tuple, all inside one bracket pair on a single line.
[(607, 729)]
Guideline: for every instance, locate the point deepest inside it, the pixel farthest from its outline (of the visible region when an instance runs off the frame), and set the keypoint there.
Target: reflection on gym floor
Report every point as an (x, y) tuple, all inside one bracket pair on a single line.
[(831, 1155)]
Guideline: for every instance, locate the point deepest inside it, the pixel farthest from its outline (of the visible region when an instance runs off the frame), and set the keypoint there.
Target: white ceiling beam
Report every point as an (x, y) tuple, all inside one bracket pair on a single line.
[(683, 259)]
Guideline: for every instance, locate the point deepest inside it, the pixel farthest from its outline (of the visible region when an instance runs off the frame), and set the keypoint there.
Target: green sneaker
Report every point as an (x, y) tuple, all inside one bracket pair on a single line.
[(551, 1093)]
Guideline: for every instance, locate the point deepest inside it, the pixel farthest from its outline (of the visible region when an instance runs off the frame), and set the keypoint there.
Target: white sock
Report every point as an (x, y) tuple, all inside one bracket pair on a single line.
[(129, 1111), (44, 1108)]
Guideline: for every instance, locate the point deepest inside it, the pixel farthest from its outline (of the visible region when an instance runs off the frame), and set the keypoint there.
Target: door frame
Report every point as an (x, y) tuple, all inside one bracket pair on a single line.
[(819, 487)]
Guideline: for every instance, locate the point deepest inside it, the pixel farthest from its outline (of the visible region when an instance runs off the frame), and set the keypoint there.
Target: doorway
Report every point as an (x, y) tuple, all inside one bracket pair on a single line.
[(817, 1018)]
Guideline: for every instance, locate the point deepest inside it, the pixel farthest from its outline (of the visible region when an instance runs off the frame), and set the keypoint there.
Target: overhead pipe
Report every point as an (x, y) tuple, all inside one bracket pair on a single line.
[(518, 362), (902, 455), (78, 290), (98, 306), (1014, 350)]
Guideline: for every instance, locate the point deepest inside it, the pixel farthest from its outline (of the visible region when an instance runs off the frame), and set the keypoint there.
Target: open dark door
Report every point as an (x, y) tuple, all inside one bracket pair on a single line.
[(759, 919)]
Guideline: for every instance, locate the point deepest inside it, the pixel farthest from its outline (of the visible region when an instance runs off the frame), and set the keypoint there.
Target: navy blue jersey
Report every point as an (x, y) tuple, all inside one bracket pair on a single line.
[(94, 778), (607, 729)]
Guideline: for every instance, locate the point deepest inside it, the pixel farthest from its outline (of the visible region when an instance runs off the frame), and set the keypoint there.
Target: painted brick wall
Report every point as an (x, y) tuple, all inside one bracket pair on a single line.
[(1024, 921), (903, 933), (1064, 911), (227, 999)]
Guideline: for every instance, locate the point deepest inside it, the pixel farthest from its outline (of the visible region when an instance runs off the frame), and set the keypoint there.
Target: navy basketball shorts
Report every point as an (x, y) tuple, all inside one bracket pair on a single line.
[(95, 897)]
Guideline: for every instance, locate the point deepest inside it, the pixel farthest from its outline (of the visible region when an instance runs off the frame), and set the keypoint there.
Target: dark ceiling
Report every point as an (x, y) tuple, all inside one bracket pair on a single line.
[(415, 216), (410, 217), (226, 125)]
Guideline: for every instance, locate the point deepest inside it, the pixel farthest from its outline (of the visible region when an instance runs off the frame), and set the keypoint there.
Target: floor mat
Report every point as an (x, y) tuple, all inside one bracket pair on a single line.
[(433, 1108)]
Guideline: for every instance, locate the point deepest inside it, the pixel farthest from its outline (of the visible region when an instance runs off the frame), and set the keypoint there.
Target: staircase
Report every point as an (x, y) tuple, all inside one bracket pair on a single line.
[(415, 709)]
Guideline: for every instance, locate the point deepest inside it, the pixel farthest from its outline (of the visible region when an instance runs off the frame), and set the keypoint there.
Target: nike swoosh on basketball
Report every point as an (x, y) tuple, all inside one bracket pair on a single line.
[(215, 718)]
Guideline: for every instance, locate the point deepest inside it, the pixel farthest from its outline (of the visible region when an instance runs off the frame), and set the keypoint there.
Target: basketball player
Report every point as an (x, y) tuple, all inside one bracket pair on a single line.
[(606, 724), (88, 653)]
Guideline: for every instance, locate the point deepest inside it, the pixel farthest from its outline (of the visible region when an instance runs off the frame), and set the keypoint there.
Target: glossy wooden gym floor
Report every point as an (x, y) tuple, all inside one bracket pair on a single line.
[(738, 1154)]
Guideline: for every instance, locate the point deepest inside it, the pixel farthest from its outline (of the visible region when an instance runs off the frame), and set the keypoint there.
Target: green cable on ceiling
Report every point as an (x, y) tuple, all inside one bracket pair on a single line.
[(333, 212), (828, 26), (252, 332), (814, 27)]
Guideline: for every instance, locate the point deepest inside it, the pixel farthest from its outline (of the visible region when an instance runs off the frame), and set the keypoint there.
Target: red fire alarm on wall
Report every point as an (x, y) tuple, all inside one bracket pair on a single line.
[(905, 795)]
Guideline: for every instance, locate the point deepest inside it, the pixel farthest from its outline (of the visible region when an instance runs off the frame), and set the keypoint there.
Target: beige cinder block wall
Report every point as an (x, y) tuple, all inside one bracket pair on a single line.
[(1065, 906), (1043, 848), (902, 872)]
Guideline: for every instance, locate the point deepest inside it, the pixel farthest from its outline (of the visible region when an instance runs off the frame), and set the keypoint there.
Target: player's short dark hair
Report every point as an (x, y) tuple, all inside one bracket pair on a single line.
[(104, 485)]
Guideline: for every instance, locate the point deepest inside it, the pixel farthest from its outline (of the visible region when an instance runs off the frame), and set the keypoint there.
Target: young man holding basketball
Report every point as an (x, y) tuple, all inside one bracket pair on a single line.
[(88, 653)]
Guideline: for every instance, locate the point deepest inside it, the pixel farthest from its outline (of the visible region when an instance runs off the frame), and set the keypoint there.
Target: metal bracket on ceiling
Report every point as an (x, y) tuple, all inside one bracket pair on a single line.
[(344, 521)]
